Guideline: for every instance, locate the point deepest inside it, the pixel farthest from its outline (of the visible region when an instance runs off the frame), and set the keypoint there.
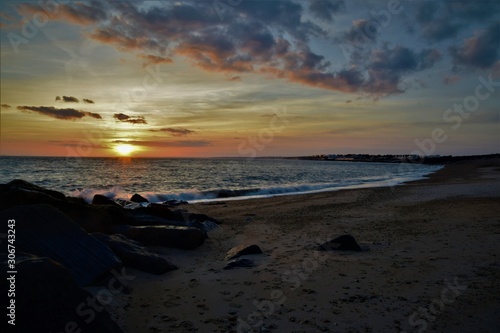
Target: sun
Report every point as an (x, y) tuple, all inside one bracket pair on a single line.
[(124, 149)]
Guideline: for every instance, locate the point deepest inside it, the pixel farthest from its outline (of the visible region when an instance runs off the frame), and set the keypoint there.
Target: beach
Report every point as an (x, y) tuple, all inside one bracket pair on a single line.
[(429, 263)]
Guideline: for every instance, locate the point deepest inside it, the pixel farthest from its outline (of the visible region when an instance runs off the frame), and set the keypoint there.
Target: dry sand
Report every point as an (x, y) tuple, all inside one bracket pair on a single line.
[(431, 263)]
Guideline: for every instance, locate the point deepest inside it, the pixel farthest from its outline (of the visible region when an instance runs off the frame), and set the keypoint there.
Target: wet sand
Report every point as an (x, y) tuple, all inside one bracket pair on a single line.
[(431, 263)]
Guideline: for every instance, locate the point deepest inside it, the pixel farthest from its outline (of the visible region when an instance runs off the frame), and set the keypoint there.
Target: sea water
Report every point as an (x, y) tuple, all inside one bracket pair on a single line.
[(202, 179)]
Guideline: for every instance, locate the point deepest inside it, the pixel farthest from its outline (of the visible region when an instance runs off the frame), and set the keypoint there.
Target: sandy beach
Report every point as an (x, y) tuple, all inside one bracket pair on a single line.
[(430, 263)]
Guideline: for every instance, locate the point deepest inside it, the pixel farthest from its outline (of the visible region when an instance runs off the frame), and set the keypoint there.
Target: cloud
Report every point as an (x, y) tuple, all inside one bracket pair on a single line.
[(174, 131), (74, 12), (88, 101), (441, 20), (263, 37), (76, 144), (153, 59), (68, 99), (64, 114), (451, 79), (324, 9), (6, 106), (181, 143), (130, 119), (481, 51), (388, 65), (361, 32)]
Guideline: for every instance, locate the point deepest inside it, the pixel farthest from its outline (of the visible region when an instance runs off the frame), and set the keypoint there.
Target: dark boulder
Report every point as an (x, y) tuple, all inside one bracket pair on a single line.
[(100, 199), (88, 217), (164, 235), (341, 243), (138, 198), (236, 263), (159, 210), (19, 184), (117, 215), (10, 197), (91, 218), (174, 202), (46, 232), (203, 226), (49, 300), (242, 250), (183, 215), (135, 255)]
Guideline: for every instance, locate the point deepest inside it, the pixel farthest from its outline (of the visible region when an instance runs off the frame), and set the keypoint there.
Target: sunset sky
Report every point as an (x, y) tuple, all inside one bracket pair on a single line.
[(244, 78)]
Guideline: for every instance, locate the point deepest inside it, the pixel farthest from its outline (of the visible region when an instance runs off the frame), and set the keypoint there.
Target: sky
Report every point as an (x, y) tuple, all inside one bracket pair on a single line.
[(249, 78)]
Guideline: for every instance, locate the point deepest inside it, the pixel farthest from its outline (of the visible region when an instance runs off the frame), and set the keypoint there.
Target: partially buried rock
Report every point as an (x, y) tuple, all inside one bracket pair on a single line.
[(164, 235), (342, 243), (239, 263), (242, 250), (138, 198), (135, 255), (49, 300)]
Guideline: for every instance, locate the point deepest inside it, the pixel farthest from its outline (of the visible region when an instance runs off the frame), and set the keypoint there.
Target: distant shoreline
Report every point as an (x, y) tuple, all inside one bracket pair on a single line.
[(367, 158), (386, 158)]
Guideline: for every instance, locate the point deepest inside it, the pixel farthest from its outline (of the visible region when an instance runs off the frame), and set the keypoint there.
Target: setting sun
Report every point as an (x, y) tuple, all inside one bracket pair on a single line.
[(125, 149)]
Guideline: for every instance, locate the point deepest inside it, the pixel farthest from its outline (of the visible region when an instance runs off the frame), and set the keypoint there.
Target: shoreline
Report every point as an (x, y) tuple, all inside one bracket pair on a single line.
[(421, 236)]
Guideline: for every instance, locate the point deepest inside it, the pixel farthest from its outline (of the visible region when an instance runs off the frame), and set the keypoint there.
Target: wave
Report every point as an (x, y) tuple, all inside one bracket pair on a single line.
[(194, 195)]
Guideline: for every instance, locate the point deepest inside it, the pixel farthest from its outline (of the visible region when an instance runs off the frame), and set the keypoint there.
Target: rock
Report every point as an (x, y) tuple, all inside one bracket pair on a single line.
[(100, 199), (88, 217), (48, 300), (203, 226), (118, 215), (239, 263), (138, 198), (160, 210), (164, 235), (19, 184), (91, 218), (135, 255), (242, 250), (174, 202), (341, 243), (12, 196), (46, 232)]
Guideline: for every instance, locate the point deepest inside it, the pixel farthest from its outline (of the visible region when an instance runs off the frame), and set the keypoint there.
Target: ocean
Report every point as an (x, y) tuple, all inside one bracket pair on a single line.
[(202, 179)]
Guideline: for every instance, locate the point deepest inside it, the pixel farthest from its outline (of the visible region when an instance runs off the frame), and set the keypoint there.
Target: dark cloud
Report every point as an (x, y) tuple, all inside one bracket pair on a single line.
[(6, 106), (472, 10), (174, 131), (362, 31), (65, 114), (130, 119), (388, 65), (268, 37), (325, 9), (182, 143), (440, 20), (75, 12), (68, 99), (88, 101), (451, 79), (74, 143), (440, 29), (480, 51)]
